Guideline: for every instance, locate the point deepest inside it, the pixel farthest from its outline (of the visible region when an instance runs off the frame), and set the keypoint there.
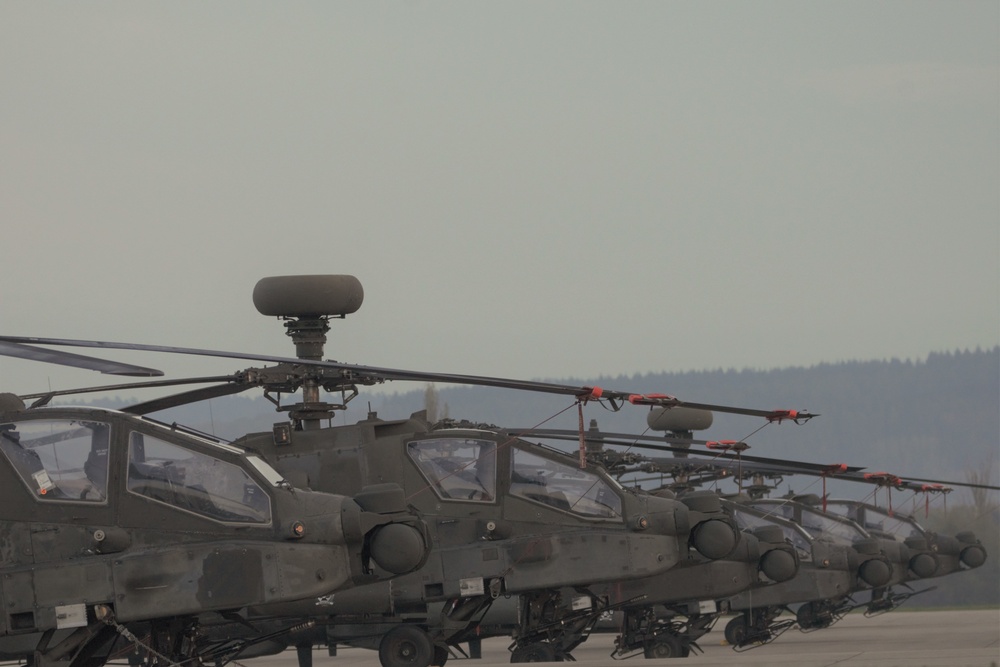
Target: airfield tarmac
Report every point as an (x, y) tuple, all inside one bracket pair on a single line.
[(896, 639)]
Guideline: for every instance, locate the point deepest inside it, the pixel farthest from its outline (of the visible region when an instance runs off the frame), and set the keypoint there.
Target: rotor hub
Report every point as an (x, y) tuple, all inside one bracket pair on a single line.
[(309, 336)]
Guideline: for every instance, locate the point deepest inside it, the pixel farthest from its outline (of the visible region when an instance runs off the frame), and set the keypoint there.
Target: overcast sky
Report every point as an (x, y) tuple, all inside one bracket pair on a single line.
[(526, 189)]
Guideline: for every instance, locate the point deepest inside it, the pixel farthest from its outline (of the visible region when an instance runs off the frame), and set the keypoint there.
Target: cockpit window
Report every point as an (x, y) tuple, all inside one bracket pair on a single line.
[(748, 521), (563, 486), (824, 526), (60, 459), (820, 526), (899, 526), (458, 468), (194, 482)]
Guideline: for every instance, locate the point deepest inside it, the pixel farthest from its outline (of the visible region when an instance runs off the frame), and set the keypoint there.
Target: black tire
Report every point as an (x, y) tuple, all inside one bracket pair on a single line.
[(806, 616), (406, 646), (736, 630), (666, 646), (536, 652), (441, 656)]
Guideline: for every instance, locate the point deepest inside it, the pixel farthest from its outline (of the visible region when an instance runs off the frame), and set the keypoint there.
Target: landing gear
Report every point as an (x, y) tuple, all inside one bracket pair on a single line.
[(536, 652), (736, 630), (885, 599), (666, 646), (549, 626), (406, 646), (755, 627), (661, 635), (820, 614)]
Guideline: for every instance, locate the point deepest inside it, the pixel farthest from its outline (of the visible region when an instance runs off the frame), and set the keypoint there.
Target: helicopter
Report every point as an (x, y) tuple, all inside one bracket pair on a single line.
[(116, 526), (469, 511)]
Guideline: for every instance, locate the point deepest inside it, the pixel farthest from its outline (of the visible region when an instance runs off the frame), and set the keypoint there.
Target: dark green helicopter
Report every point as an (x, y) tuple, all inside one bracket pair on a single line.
[(119, 530), (472, 511)]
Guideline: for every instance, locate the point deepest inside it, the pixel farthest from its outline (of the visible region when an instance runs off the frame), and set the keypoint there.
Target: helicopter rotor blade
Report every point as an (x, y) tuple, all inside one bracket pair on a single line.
[(966, 484), (696, 456), (22, 351), (377, 374), (193, 396), (46, 396), (750, 463)]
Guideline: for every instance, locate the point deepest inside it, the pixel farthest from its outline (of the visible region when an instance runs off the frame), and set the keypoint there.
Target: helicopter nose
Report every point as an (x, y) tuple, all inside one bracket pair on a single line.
[(973, 553), (714, 534), (391, 537), (874, 569), (397, 548), (778, 561), (973, 556), (779, 565), (875, 572), (923, 565), (922, 562), (714, 538)]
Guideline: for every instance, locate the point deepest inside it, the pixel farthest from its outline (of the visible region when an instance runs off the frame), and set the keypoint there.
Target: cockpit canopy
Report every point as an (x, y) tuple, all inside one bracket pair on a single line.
[(465, 468), (66, 460)]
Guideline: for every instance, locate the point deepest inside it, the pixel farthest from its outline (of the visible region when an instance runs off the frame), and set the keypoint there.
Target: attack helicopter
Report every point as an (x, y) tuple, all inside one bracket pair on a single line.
[(116, 527), (473, 512)]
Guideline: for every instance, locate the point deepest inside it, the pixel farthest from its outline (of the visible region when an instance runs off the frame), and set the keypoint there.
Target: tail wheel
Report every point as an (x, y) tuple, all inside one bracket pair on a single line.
[(406, 646)]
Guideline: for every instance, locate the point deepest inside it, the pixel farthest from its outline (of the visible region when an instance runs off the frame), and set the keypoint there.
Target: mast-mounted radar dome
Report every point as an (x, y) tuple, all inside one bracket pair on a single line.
[(308, 296), (679, 419)]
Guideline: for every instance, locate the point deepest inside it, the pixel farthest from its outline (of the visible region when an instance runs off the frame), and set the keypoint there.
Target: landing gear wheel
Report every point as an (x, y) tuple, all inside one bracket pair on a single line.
[(536, 652), (808, 617), (406, 646), (666, 646), (441, 656), (736, 630)]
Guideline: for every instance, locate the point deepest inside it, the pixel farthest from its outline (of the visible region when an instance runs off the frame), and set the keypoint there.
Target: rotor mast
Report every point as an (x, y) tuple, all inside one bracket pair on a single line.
[(307, 303)]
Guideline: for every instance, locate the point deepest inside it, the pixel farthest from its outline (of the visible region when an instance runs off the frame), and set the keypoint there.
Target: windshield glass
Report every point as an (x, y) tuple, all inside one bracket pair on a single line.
[(458, 468), (563, 486), (833, 528), (59, 459), (897, 525), (749, 520), (195, 482), (819, 526)]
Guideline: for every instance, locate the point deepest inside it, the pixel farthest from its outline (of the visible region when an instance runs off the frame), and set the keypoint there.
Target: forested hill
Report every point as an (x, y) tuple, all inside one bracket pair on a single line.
[(938, 417)]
